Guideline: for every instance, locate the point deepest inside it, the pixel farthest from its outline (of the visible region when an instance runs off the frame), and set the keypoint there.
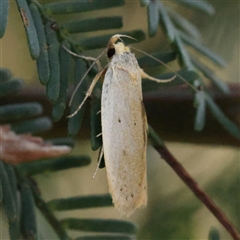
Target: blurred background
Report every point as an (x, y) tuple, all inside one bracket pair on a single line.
[(173, 212)]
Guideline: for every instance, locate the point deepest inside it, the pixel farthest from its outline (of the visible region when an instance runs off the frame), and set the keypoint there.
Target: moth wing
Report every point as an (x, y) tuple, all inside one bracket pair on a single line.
[(124, 129)]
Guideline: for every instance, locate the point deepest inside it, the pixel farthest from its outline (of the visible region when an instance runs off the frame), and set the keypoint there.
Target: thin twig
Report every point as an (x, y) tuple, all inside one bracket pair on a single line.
[(189, 181), (41, 204)]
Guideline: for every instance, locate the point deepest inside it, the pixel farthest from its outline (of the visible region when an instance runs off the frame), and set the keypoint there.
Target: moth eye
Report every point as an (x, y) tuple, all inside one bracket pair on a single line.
[(111, 52)]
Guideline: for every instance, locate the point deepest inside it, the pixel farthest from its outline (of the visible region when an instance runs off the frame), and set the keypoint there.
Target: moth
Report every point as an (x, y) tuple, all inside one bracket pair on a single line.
[(124, 126)]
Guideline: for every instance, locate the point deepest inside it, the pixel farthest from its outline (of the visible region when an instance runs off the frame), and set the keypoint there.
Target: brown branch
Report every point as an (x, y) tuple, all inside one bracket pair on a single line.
[(170, 110), (192, 184)]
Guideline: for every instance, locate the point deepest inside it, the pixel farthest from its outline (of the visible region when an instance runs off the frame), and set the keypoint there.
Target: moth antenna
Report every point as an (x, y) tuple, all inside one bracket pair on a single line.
[(84, 57), (115, 37), (80, 82), (164, 64)]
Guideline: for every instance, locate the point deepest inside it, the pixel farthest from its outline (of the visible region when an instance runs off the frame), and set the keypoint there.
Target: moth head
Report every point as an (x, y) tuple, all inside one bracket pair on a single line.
[(117, 48)]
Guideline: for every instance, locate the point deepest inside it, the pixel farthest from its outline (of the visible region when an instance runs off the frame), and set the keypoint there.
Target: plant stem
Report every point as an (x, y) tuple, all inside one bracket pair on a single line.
[(192, 184), (42, 205)]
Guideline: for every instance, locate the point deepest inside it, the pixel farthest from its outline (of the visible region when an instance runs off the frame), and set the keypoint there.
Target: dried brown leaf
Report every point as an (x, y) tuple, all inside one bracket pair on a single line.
[(25, 147)]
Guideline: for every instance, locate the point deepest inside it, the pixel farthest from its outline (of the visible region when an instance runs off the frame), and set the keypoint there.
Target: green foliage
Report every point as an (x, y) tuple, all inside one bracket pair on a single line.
[(95, 24), (9, 200), (171, 24), (214, 234), (42, 60), (60, 104), (202, 49), (105, 237), (103, 200), (200, 104), (10, 87), (169, 222), (30, 28), (208, 73), (52, 165), (4, 17), (38, 125), (75, 122), (83, 6), (13, 112), (53, 84), (29, 227), (100, 225), (222, 119), (96, 127), (199, 5)]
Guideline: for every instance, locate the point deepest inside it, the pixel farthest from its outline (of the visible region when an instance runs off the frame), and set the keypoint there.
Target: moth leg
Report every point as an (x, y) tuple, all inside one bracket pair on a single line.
[(99, 162), (99, 135), (94, 60), (145, 75), (89, 91)]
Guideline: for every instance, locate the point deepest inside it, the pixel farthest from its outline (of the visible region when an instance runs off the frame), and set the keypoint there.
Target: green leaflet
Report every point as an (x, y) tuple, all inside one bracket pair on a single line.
[(14, 230), (200, 5), (34, 125), (106, 237), (53, 84), (231, 127), (95, 122), (184, 24), (80, 202), (202, 49), (166, 23), (144, 2), (28, 217), (4, 9), (74, 123), (1, 192), (12, 178), (53, 164), (93, 24), (13, 112), (10, 202), (30, 29), (80, 6), (11, 86), (42, 60), (5, 75), (208, 73), (62, 142), (214, 234), (99, 225), (59, 106), (200, 105), (153, 17), (184, 59)]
